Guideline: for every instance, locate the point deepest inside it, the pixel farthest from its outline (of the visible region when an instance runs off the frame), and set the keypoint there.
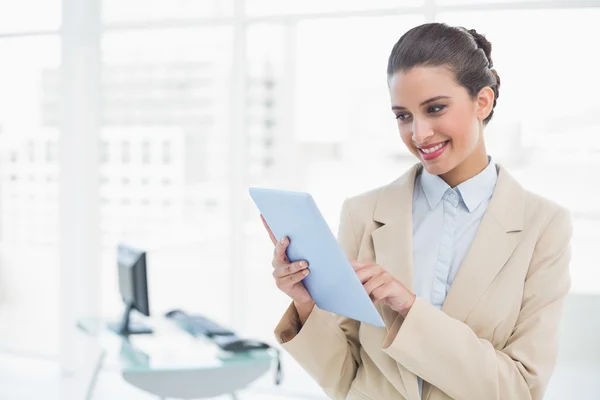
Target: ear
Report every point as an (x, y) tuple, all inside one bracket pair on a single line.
[(485, 103)]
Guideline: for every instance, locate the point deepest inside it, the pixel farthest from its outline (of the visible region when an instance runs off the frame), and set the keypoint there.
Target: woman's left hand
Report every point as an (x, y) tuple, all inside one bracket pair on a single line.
[(383, 288)]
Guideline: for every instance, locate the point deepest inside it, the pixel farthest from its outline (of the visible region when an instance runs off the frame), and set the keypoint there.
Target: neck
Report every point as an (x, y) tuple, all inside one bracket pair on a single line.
[(473, 165)]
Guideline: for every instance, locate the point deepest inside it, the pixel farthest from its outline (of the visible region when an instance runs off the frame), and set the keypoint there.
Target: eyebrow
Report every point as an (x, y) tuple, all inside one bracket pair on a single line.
[(431, 100)]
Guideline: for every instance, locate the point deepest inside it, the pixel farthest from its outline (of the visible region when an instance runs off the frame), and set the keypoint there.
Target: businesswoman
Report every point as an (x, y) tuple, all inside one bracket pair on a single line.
[(468, 269)]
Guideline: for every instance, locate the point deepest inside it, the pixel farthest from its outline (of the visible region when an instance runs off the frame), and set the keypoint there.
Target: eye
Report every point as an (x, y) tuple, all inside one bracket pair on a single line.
[(402, 116), (436, 108)]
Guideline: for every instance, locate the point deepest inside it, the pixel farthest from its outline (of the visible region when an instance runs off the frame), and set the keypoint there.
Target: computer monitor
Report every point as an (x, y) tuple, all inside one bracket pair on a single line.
[(133, 287)]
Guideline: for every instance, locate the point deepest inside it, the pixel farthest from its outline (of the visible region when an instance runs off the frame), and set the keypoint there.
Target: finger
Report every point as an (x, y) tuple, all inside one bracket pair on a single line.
[(366, 273), (280, 257), (289, 269), (271, 235), (376, 282), (290, 280), (359, 264), (381, 293)]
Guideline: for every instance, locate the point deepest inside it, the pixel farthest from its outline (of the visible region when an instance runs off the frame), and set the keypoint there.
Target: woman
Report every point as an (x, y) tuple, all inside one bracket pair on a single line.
[(468, 269)]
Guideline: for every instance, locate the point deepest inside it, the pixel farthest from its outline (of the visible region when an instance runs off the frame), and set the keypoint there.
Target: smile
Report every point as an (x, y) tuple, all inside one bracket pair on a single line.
[(430, 153)]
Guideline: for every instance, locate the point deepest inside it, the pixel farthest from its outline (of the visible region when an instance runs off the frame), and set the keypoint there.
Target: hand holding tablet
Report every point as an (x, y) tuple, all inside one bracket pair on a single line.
[(332, 282)]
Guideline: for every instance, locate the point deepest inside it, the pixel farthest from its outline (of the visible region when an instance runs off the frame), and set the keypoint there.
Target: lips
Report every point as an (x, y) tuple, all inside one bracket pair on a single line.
[(432, 152)]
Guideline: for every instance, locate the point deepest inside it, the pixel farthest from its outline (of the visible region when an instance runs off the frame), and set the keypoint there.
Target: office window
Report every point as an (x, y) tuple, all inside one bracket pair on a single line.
[(159, 87), (118, 11), (27, 303), (166, 152), (268, 92), (31, 152), (51, 156), (477, 2), (104, 152), (29, 15), (125, 152), (275, 7), (545, 112), (145, 152), (341, 102), (338, 102)]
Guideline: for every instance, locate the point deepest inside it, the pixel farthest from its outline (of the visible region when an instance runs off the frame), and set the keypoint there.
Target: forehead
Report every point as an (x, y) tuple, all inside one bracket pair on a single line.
[(421, 83)]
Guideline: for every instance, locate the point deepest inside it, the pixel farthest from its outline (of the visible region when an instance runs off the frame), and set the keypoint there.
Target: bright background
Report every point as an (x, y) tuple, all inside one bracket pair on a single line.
[(145, 121)]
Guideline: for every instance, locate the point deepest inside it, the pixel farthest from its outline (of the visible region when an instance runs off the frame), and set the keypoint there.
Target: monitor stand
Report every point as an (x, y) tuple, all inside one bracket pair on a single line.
[(125, 327)]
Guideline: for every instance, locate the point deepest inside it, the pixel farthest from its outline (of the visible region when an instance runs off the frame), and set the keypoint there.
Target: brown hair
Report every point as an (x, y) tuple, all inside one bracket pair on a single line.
[(467, 53)]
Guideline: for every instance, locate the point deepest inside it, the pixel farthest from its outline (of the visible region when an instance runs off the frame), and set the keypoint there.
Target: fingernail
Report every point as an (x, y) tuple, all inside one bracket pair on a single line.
[(282, 241), (303, 263), (304, 272)]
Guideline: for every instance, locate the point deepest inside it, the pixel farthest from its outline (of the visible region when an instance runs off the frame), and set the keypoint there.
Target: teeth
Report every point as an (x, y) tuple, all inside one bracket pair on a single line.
[(432, 149)]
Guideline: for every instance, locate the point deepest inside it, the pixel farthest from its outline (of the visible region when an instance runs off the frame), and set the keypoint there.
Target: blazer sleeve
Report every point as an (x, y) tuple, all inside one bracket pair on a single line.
[(327, 345), (446, 352)]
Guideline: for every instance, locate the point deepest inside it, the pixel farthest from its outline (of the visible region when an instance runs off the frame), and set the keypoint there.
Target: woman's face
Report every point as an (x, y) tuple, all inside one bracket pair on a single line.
[(438, 121)]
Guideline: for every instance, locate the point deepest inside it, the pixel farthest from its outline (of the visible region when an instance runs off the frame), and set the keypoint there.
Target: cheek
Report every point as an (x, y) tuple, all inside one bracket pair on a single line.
[(458, 126), (406, 136)]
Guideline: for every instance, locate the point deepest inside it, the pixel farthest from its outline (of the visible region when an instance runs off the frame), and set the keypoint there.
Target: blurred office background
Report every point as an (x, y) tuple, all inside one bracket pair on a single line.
[(146, 120)]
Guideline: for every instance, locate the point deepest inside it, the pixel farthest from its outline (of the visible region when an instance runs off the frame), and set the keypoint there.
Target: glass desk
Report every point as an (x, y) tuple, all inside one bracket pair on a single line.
[(173, 364)]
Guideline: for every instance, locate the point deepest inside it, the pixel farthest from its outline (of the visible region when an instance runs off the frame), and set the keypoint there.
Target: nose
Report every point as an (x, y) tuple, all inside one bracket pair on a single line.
[(421, 131)]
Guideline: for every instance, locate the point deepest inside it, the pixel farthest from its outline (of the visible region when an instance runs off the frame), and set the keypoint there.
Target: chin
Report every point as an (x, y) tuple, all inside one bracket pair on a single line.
[(436, 168)]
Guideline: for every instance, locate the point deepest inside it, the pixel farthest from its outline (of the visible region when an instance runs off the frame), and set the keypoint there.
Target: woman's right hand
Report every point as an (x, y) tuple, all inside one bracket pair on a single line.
[(288, 275)]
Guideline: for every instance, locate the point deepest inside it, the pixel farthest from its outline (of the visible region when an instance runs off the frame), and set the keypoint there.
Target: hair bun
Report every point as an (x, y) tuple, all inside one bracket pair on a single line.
[(483, 44)]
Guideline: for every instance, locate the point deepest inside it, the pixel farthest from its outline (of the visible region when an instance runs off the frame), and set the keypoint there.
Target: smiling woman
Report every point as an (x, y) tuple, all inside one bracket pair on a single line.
[(437, 103), (486, 332)]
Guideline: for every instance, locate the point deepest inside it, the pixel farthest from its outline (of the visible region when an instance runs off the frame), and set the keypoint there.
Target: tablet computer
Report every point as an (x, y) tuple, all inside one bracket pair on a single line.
[(332, 281)]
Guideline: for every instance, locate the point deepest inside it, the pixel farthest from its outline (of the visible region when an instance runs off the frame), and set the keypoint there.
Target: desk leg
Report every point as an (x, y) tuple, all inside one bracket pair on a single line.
[(94, 379)]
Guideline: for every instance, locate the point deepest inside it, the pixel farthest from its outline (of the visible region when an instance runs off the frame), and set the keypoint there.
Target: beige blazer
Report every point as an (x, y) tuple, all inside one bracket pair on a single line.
[(496, 336)]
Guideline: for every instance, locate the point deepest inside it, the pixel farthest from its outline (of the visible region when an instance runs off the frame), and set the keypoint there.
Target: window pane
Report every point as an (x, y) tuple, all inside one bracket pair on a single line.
[(547, 109), (457, 2), (476, 2), (330, 79), (149, 10), (165, 121), (274, 7), (29, 270), (342, 102), (270, 147), (29, 15)]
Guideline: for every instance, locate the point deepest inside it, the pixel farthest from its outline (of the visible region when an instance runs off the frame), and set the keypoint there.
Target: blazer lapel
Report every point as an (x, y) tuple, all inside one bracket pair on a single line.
[(495, 242), (392, 243)]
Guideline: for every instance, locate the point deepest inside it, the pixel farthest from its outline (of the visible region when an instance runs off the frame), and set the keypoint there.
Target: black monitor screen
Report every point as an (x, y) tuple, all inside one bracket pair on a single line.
[(133, 285)]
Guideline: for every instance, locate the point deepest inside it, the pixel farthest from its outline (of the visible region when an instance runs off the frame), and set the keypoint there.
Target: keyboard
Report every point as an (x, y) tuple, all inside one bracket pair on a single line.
[(204, 326), (198, 325)]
